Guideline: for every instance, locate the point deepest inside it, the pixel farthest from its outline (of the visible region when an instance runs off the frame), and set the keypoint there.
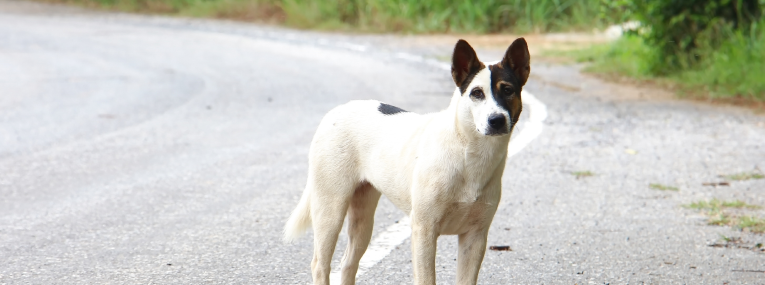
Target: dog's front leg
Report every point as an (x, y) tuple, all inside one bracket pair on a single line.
[(472, 246), (424, 239)]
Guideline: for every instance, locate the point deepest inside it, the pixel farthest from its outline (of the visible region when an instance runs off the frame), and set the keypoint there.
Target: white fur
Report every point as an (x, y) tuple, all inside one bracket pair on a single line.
[(439, 168)]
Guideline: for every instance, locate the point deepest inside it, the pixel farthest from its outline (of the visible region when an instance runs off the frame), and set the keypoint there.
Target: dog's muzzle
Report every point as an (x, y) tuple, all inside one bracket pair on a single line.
[(497, 125)]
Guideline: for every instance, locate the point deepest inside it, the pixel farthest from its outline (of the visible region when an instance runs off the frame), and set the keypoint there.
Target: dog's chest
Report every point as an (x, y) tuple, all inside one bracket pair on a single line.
[(463, 216), (472, 205), (475, 199)]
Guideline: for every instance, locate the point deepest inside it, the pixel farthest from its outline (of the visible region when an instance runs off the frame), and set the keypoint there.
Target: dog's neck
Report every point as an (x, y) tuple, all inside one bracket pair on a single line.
[(484, 156)]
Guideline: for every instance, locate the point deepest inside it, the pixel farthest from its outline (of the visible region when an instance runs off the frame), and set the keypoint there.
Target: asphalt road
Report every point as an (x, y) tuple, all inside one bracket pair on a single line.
[(141, 149)]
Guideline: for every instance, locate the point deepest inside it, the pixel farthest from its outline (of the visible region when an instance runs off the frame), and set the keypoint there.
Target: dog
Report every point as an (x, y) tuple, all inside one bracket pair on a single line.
[(443, 169)]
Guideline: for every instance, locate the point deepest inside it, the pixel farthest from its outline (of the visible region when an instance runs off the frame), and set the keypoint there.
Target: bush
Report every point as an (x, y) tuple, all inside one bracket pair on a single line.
[(736, 67), (733, 70), (685, 31)]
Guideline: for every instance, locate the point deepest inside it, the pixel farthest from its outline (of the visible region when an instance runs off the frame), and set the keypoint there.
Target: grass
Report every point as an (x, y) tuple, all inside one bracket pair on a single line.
[(621, 57), (732, 71), (735, 69), (719, 219), (744, 176), (414, 16), (661, 187), (744, 223), (753, 224), (715, 210), (716, 205), (580, 174)]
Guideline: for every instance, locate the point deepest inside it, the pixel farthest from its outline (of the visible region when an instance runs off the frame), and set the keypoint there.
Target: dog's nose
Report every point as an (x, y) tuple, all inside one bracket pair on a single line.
[(497, 121)]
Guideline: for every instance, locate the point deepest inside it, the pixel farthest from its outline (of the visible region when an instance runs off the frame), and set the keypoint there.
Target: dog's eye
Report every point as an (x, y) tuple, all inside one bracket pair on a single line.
[(477, 94), (508, 90)]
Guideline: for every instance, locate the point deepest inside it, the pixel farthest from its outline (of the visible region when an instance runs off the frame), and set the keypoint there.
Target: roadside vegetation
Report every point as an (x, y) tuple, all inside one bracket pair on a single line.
[(709, 49), (662, 187), (744, 176), (720, 214), (430, 16), (582, 174)]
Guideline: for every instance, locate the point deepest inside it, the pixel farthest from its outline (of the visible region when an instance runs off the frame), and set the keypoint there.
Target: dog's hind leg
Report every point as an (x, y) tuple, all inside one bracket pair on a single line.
[(328, 208), (361, 215)]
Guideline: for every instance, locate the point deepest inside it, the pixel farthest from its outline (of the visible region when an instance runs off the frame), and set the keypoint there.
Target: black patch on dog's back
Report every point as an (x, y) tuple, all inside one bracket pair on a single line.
[(389, 109)]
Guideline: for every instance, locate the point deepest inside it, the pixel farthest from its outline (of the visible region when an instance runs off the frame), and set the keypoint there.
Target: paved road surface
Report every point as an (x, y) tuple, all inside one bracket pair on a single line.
[(155, 150)]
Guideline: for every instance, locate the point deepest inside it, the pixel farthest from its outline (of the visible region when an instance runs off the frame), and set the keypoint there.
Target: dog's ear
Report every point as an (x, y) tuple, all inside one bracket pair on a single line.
[(464, 62), (517, 58)]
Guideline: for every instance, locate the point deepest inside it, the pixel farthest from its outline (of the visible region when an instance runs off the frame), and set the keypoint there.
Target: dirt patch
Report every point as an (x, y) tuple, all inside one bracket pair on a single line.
[(737, 242), (666, 89), (27, 7), (253, 12), (537, 42)]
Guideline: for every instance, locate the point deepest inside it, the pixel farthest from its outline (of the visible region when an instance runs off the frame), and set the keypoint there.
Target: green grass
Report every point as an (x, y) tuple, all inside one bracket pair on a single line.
[(580, 174), (416, 16), (744, 223), (734, 70), (753, 224), (726, 238), (624, 57), (715, 210), (661, 187), (744, 175), (719, 219), (715, 205)]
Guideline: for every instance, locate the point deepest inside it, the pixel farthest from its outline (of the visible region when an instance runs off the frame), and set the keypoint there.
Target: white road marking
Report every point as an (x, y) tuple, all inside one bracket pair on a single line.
[(379, 248), (532, 128), (395, 234)]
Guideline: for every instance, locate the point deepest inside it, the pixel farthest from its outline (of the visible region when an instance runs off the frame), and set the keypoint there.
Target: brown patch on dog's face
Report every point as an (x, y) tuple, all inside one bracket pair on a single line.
[(509, 76), (506, 89)]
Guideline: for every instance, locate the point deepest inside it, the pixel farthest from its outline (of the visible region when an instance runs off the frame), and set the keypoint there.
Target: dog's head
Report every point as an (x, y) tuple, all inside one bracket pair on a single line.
[(491, 95)]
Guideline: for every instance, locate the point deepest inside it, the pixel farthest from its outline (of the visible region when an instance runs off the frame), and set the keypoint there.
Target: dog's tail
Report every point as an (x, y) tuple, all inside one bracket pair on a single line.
[(300, 219)]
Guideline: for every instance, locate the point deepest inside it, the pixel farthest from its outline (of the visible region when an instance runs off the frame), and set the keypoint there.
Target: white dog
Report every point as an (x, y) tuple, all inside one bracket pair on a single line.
[(443, 169)]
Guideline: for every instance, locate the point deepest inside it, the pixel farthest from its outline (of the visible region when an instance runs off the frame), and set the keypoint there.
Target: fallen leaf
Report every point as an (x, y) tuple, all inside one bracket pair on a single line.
[(715, 184), (500, 248)]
